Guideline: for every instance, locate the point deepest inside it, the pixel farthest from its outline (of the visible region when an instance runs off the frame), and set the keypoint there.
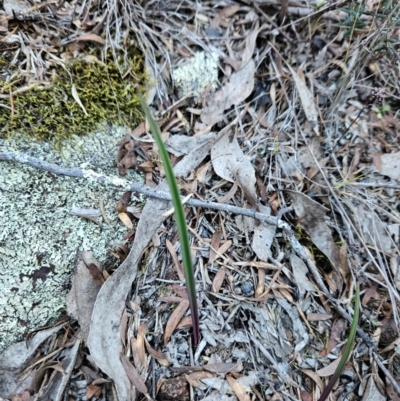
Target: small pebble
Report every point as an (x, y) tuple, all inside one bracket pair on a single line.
[(247, 288)]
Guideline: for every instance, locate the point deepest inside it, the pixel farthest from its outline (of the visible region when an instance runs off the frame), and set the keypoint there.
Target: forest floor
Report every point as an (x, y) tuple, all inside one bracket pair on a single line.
[(289, 109)]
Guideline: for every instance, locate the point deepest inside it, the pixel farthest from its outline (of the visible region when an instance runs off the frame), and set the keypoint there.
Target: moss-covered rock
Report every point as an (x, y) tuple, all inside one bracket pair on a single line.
[(81, 93)]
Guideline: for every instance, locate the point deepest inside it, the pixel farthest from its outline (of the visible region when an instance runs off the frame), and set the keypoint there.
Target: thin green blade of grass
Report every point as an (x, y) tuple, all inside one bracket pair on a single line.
[(181, 223), (348, 348)]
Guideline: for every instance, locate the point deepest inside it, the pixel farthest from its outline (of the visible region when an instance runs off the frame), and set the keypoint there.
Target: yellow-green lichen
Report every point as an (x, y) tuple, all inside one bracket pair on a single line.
[(52, 112)]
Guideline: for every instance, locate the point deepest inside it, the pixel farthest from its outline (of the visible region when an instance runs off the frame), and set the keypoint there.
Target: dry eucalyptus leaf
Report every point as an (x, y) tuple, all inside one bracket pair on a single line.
[(133, 375), (371, 392), (174, 256), (263, 236), (174, 319), (307, 101), (300, 272), (126, 220), (389, 165), (238, 389), (140, 343), (91, 37), (93, 391), (315, 377), (218, 280), (373, 229), (84, 290), (221, 367), (338, 327), (312, 219), (215, 241), (161, 358), (248, 51), (194, 379), (329, 369), (180, 145), (124, 202), (231, 164), (239, 87)]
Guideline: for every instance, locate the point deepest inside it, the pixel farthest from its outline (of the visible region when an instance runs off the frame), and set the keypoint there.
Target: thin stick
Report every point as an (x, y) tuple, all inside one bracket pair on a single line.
[(135, 187)]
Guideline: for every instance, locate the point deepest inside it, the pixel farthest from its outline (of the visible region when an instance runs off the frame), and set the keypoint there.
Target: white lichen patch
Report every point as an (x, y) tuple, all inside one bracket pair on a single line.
[(196, 75), (39, 237)]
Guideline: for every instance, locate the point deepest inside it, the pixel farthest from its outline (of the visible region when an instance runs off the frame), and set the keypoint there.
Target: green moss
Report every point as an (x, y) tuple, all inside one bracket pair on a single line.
[(50, 112)]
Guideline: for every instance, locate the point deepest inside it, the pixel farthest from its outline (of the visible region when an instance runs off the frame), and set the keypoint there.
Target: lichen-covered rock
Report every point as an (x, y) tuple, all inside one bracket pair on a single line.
[(196, 75), (39, 237)]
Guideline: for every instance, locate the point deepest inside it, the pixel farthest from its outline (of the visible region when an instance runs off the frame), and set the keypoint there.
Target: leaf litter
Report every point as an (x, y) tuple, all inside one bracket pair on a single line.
[(340, 200)]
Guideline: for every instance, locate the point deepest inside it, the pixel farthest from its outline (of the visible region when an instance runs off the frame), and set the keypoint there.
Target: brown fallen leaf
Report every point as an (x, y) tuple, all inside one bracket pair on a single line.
[(194, 379), (218, 280), (96, 273), (137, 345), (181, 291), (139, 130), (172, 299), (224, 368), (260, 283), (140, 343), (223, 248), (318, 317), (126, 220), (93, 391), (174, 319), (229, 195), (133, 375), (215, 241), (160, 357), (185, 322), (91, 37), (238, 389), (124, 202), (315, 377)]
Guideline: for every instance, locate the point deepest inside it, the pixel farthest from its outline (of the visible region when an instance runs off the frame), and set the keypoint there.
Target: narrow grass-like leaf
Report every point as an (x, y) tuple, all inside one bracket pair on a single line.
[(181, 223), (348, 348)]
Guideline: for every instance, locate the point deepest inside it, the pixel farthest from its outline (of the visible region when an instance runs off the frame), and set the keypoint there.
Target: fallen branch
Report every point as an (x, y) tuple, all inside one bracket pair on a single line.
[(134, 187), (143, 189)]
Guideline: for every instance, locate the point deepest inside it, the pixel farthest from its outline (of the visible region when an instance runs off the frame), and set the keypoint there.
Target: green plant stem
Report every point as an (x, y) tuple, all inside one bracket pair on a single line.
[(348, 348), (181, 223)]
